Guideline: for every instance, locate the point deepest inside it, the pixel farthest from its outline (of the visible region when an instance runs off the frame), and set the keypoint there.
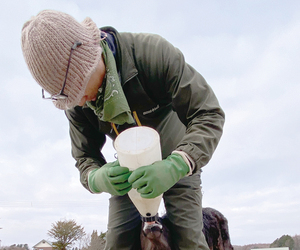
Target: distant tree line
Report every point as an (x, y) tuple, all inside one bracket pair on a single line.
[(293, 243), (93, 241), (287, 241), (66, 233), (16, 247)]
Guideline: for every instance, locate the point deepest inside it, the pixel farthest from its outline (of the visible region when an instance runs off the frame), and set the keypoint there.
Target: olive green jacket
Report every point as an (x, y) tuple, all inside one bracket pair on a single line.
[(167, 94)]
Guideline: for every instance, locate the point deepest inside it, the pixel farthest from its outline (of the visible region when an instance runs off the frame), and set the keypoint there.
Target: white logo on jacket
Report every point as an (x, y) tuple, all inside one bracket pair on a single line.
[(151, 110)]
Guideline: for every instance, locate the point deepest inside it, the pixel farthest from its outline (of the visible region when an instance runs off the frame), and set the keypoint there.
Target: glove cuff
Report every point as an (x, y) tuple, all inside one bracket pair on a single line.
[(187, 159), (91, 182)]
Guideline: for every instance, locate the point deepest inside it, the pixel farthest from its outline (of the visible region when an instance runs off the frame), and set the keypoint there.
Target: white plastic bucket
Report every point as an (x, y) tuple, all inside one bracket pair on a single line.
[(136, 147)]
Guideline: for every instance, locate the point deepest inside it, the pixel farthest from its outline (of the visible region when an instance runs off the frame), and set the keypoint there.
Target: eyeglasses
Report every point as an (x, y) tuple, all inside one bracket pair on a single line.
[(61, 95)]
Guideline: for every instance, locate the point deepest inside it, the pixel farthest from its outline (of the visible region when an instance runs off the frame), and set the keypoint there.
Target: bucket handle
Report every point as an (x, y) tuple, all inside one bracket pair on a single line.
[(136, 118)]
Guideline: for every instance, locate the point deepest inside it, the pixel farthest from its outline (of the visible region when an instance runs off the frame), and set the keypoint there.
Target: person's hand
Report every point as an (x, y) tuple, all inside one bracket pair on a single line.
[(110, 178), (153, 180)]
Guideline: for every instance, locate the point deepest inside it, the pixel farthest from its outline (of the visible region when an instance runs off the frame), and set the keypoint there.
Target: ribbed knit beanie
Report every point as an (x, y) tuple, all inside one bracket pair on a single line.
[(46, 43)]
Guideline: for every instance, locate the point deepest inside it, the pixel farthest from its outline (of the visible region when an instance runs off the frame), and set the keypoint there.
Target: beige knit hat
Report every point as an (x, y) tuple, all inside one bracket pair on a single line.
[(46, 43)]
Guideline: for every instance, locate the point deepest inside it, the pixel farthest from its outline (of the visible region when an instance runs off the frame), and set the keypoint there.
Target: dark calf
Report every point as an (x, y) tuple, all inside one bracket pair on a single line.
[(215, 229)]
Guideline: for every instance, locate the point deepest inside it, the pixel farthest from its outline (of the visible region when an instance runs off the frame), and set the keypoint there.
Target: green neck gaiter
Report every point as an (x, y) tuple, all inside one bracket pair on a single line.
[(111, 104)]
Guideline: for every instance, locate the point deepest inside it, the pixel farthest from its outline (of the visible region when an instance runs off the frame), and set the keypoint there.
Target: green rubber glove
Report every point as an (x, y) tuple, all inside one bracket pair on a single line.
[(153, 180), (110, 178)]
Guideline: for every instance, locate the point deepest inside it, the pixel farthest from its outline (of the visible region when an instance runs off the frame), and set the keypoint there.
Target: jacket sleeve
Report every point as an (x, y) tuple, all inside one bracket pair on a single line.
[(171, 78), (197, 107), (86, 142)]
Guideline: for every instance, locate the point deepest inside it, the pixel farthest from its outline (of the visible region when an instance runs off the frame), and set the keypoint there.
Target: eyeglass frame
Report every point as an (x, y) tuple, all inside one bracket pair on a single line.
[(61, 95)]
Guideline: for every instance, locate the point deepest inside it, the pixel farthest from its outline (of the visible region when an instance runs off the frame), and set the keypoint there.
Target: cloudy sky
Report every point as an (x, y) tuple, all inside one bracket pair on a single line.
[(248, 51)]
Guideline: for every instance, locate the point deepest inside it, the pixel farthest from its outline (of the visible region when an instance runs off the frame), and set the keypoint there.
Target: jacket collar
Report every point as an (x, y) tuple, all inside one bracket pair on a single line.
[(125, 63)]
